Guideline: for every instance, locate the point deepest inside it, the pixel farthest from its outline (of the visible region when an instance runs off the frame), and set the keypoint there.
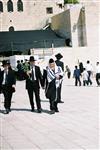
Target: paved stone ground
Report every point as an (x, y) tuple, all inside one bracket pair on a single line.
[(75, 127)]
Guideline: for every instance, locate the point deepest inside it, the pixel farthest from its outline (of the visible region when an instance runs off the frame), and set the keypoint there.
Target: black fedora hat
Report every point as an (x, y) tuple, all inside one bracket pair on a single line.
[(4, 63), (32, 58), (51, 61), (58, 56)]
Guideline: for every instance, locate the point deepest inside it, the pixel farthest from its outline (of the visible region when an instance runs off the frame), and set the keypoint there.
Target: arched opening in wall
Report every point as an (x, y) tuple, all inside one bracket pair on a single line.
[(19, 5), (1, 6), (10, 6), (11, 29)]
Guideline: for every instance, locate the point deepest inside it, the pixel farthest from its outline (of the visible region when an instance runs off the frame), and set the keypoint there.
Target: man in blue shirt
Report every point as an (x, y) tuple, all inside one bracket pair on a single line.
[(77, 75)]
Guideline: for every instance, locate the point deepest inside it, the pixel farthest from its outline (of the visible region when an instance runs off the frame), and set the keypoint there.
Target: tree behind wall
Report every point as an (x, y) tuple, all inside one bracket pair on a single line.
[(71, 1)]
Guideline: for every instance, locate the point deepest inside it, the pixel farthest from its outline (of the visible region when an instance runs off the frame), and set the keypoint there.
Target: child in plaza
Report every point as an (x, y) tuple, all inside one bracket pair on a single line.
[(85, 76)]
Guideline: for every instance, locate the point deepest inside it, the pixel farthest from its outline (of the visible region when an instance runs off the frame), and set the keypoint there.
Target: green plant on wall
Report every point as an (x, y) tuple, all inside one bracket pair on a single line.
[(71, 1)]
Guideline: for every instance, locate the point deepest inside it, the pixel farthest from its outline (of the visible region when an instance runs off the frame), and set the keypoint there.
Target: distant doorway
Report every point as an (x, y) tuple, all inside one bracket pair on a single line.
[(11, 29)]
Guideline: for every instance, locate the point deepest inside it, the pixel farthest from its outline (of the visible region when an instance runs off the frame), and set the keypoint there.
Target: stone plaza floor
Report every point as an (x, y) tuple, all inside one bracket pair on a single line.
[(75, 127)]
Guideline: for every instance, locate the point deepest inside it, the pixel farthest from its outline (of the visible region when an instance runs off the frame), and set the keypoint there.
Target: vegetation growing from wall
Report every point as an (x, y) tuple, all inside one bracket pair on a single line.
[(71, 1)]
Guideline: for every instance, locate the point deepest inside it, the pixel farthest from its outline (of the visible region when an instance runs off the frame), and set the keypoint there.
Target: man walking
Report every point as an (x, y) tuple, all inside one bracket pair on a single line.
[(61, 64), (89, 70), (98, 73), (33, 81), (77, 75), (54, 75), (7, 82)]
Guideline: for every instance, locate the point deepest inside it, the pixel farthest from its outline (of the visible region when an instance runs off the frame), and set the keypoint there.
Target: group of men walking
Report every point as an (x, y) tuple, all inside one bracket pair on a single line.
[(86, 72), (50, 80)]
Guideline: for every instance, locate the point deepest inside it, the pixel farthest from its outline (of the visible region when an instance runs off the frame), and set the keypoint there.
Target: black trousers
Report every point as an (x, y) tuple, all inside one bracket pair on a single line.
[(7, 92), (85, 82), (89, 77), (77, 79), (68, 75), (53, 105), (31, 93), (59, 93), (98, 78), (54, 100)]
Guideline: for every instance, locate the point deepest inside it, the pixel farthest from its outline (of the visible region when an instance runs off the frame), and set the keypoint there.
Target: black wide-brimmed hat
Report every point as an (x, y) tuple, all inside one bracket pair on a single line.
[(4, 63), (58, 56), (51, 61), (32, 58)]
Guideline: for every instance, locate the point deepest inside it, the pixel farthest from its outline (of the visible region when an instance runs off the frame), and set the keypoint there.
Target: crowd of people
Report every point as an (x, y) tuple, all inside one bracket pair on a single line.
[(50, 80), (83, 74)]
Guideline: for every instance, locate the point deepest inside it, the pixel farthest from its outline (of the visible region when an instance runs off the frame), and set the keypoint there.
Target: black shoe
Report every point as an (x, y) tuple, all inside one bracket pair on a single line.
[(39, 110), (52, 112), (6, 111), (60, 102), (56, 110), (32, 110), (9, 110)]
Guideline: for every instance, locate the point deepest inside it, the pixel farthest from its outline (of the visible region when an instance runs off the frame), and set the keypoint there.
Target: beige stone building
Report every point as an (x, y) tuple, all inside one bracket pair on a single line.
[(79, 23), (28, 14)]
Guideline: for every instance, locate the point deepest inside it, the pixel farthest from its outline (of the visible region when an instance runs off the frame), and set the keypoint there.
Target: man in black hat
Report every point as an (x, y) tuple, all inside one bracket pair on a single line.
[(61, 64), (0, 84), (33, 81), (52, 77), (7, 82)]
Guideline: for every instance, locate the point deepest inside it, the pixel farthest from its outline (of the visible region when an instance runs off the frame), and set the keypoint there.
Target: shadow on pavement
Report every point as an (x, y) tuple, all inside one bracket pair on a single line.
[(27, 110), (44, 101)]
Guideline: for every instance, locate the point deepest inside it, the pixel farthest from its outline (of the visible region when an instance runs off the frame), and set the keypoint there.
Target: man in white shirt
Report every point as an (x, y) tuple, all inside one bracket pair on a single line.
[(98, 73), (89, 69)]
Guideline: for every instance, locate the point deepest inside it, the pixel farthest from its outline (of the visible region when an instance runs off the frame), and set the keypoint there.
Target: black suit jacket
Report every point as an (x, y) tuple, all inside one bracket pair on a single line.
[(60, 63), (39, 80), (0, 81), (11, 79)]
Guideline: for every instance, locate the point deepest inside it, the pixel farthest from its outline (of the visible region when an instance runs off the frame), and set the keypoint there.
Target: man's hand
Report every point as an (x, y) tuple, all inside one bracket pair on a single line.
[(13, 86), (57, 77)]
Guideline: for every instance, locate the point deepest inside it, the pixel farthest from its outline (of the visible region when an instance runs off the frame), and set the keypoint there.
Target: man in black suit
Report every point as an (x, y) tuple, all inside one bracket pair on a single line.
[(7, 82), (33, 81), (0, 84), (61, 64), (52, 76)]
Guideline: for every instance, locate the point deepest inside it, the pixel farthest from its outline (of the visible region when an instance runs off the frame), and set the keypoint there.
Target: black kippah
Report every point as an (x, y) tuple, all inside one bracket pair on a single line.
[(51, 60)]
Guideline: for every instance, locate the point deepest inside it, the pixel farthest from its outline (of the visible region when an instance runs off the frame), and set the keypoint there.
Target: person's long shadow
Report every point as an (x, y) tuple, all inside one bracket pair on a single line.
[(44, 101), (15, 109), (27, 110), (35, 111), (20, 109)]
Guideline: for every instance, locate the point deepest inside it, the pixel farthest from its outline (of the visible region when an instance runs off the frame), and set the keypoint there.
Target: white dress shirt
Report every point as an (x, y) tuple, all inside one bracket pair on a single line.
[(98, 69), (33, 72), (4, 77), (89, 67)]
